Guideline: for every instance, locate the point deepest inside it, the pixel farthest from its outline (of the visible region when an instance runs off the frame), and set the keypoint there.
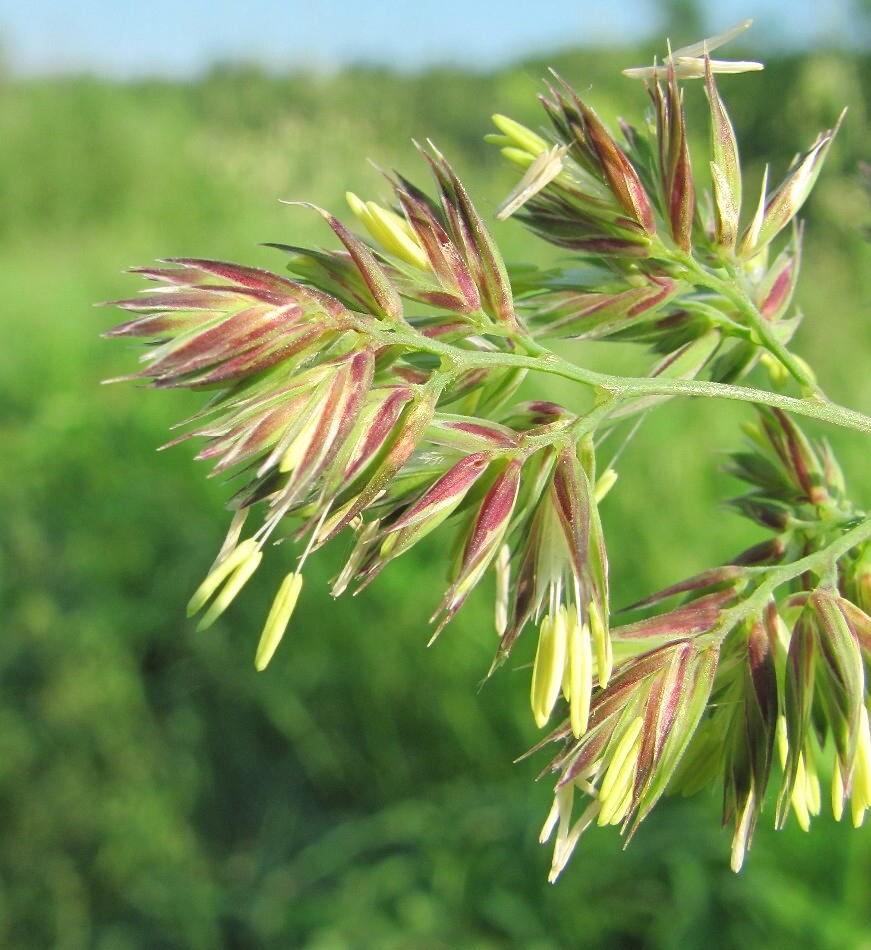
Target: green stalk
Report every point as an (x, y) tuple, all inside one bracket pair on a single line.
[(820, 562), (733, 290), (542, 360)]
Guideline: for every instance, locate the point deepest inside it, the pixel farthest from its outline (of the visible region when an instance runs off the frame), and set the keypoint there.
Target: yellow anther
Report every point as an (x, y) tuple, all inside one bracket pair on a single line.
[(219, 573), (547, 671), (278, 619), (621, 770)]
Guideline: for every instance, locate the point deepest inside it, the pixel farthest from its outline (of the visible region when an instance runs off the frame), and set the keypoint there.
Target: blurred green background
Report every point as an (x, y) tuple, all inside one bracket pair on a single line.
[(155, 792)]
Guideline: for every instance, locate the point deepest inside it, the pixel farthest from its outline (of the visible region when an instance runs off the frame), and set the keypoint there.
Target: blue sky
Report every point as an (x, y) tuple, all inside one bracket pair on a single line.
[(126, 38)]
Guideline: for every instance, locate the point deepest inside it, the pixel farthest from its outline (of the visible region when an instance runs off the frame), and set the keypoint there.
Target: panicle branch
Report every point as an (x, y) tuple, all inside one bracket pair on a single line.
[(373, 392)]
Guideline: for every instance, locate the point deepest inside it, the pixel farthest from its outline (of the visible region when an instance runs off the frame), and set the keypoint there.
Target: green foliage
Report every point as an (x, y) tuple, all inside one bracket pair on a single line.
[(156, 791)]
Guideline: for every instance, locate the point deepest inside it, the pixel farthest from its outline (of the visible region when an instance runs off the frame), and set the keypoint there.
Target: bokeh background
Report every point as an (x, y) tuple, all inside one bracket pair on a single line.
[(155, 792)]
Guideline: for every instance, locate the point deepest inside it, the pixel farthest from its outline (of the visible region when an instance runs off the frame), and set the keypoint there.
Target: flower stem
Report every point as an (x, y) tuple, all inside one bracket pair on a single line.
[(542, 360), (819, 562), (733, 290)]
